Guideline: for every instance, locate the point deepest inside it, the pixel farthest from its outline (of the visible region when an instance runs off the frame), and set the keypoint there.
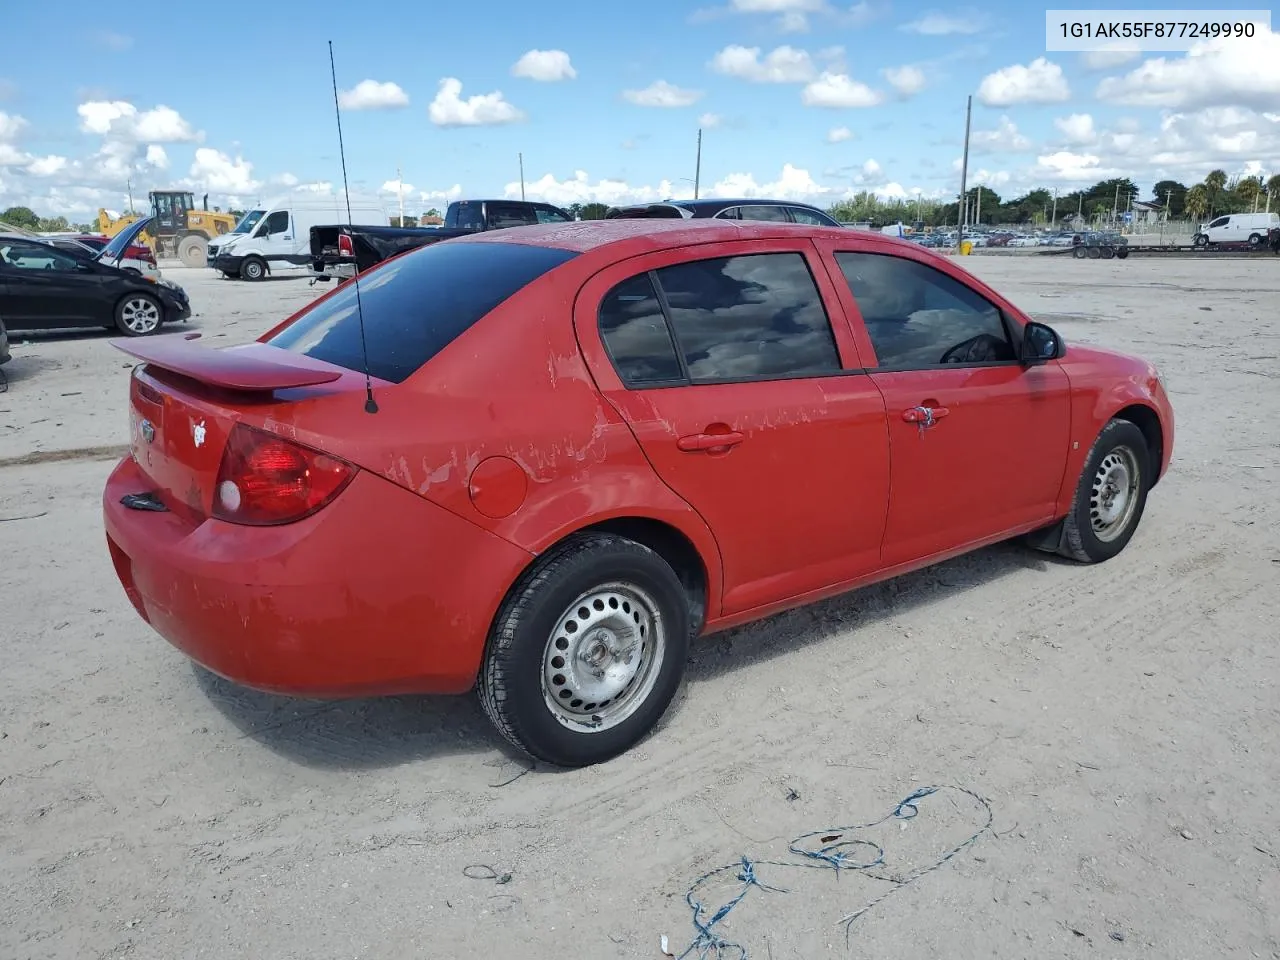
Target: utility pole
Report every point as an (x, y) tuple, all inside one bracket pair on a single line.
[(697, 168), (400, 192), (1115, 206), (978, 218), (521, 158), (964, 170), (1053, 224), (129, 188)]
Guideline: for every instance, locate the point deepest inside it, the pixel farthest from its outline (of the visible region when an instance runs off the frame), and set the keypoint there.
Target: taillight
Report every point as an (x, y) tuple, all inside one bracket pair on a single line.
[(345, 249), (265, 479)]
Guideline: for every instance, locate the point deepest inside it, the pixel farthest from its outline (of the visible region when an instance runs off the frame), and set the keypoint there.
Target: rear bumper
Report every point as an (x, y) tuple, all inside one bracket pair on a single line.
[(381, 592), (333, 267)]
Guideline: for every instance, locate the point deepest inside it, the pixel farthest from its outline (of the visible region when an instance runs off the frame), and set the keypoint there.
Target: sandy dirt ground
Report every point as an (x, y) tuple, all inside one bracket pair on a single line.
[(1122, 721)]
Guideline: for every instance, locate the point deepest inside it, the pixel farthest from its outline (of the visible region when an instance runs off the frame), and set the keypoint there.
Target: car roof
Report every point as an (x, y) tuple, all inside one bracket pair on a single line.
[(649, 235)]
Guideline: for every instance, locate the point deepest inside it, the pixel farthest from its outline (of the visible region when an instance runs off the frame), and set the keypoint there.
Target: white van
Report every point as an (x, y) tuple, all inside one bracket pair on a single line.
[(1250, 228), (280, 243)]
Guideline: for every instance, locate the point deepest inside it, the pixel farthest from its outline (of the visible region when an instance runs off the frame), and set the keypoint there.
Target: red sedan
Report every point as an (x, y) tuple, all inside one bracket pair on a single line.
[(541, 460)]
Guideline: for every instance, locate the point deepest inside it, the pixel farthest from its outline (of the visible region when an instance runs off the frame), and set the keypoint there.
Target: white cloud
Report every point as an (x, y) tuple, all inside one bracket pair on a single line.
[(781, 65), (870, 168), (778, 6), (1077, 128), (11, 125), (545, 65), (935, 24), (216, 172), (793, 22), (448, 109), (1107, 59), (285, 179), (121, 120), (156, 157), (453, 193), (46, 166), (397, 187), (1005, 138), (710, 121), (315, 186), (11, 156), (1216, 73), (373, 95), (1073, 168), (907, 80), (840, 91), (839, 135), (1040, 81), (662, 94)]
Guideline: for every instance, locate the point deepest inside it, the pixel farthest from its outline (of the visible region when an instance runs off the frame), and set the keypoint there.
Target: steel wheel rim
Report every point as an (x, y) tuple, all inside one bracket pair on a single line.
[(140, 315), (1113, 496), (252, 270), (603, 658)]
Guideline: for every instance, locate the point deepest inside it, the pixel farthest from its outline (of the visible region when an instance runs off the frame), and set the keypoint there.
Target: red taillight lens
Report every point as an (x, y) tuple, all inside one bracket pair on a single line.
[(265, 479), (345, 249)]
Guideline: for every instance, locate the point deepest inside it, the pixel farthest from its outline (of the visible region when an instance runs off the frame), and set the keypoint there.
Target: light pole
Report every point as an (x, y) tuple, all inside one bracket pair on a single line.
[(520, 158), (1053, 222), (964, 170)]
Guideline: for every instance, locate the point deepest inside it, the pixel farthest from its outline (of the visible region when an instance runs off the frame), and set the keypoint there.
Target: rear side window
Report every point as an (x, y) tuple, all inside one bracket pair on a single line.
[(763, 212), (502, 215), (917, 316), (416, 305), (636, 335), (551, 215), (753, 316), (801, 215)]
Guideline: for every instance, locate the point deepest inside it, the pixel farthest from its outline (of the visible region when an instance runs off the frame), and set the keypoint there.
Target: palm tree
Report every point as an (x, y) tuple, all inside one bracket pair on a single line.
[(1196, 202), (1249, 190), (1273, 188), (1214, 182)]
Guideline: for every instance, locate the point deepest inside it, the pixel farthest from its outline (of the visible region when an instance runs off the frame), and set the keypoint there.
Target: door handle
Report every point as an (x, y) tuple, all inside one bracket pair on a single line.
[(924, 416), (709, 441)]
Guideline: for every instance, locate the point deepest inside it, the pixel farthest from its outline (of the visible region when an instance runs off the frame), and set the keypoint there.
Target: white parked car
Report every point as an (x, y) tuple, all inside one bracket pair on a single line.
[(1250, 228), (1024, 242)]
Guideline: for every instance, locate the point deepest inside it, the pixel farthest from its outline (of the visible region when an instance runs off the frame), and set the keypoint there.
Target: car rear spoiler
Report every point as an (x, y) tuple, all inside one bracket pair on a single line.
[(253, 368)]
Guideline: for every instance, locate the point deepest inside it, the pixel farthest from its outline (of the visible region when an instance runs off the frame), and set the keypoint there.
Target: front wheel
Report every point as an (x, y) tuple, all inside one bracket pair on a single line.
[(253, 268), (138, 315), (1200, 240), (587, 651), (1110, 495)]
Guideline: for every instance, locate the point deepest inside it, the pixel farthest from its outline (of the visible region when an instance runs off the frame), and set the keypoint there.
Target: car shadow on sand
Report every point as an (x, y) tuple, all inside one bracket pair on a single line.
[(390, 731)]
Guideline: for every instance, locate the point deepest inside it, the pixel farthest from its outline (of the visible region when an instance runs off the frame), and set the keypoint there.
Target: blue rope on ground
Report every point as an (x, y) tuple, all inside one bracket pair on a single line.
[(834, 851)]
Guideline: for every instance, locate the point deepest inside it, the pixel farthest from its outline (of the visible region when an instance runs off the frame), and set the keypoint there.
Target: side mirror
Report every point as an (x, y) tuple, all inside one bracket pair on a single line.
[(1040, 344)]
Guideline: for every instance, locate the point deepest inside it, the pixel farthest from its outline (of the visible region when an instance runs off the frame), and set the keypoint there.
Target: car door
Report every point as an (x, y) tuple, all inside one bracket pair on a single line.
[(978, 441), (46, 287), (276, 235), (751, 405)]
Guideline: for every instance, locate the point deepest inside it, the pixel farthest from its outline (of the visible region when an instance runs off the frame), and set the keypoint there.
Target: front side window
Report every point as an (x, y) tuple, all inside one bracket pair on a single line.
[(509, 215), (1220, 222), (764, 211), (277, 222), (758, 315), (801, 215), (918, 317), (551, 215), (35, 256)]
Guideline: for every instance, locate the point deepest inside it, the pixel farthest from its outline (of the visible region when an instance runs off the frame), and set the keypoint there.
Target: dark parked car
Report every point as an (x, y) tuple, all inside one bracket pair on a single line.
[(43, 288), (779, 211)]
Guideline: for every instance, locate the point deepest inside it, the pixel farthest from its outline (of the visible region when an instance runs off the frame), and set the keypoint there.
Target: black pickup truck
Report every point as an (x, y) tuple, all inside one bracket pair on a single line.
[(342, 250)]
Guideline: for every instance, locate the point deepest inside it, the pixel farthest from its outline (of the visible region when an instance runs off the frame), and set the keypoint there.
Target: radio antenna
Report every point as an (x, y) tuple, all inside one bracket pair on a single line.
[(370, 405)]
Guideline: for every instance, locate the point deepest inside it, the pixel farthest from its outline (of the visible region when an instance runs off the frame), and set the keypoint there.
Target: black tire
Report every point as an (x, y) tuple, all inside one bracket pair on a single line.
[(1081, 539), (1093, 253), (139, 314), (253, 268), (1255, 241), (1200, 240), (1079, 253), (538, 618), (1122, 252), (1108, 253)]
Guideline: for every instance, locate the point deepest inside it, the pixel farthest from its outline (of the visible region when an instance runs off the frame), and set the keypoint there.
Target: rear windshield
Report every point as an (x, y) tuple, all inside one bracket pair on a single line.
[(416, 305)]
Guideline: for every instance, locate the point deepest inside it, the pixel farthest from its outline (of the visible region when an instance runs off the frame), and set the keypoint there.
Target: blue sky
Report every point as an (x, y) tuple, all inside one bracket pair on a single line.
[(803, 98)]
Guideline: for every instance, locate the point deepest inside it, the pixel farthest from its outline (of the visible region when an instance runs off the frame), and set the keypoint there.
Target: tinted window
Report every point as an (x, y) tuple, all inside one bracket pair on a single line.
[(469, 216), (1220, 222), (763, 212), (917, 316), (35, 256), (416, 305), (636, 335), (551, 215), (278, 222), (752, 316), (801, 215), (730, 214), (509, 215)]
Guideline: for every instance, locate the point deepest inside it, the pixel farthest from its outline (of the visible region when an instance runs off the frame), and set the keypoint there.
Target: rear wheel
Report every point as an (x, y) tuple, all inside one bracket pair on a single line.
[(193, 251), (1255, 240), (1110, 495), (1122, 252), (253, 268), (1079, 253), (587, 652), (1108, 253), (1093, 253), (138, 314)]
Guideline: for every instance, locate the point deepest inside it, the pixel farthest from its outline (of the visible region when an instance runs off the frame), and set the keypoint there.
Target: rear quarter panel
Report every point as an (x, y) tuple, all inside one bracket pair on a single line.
[(512, 398)]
